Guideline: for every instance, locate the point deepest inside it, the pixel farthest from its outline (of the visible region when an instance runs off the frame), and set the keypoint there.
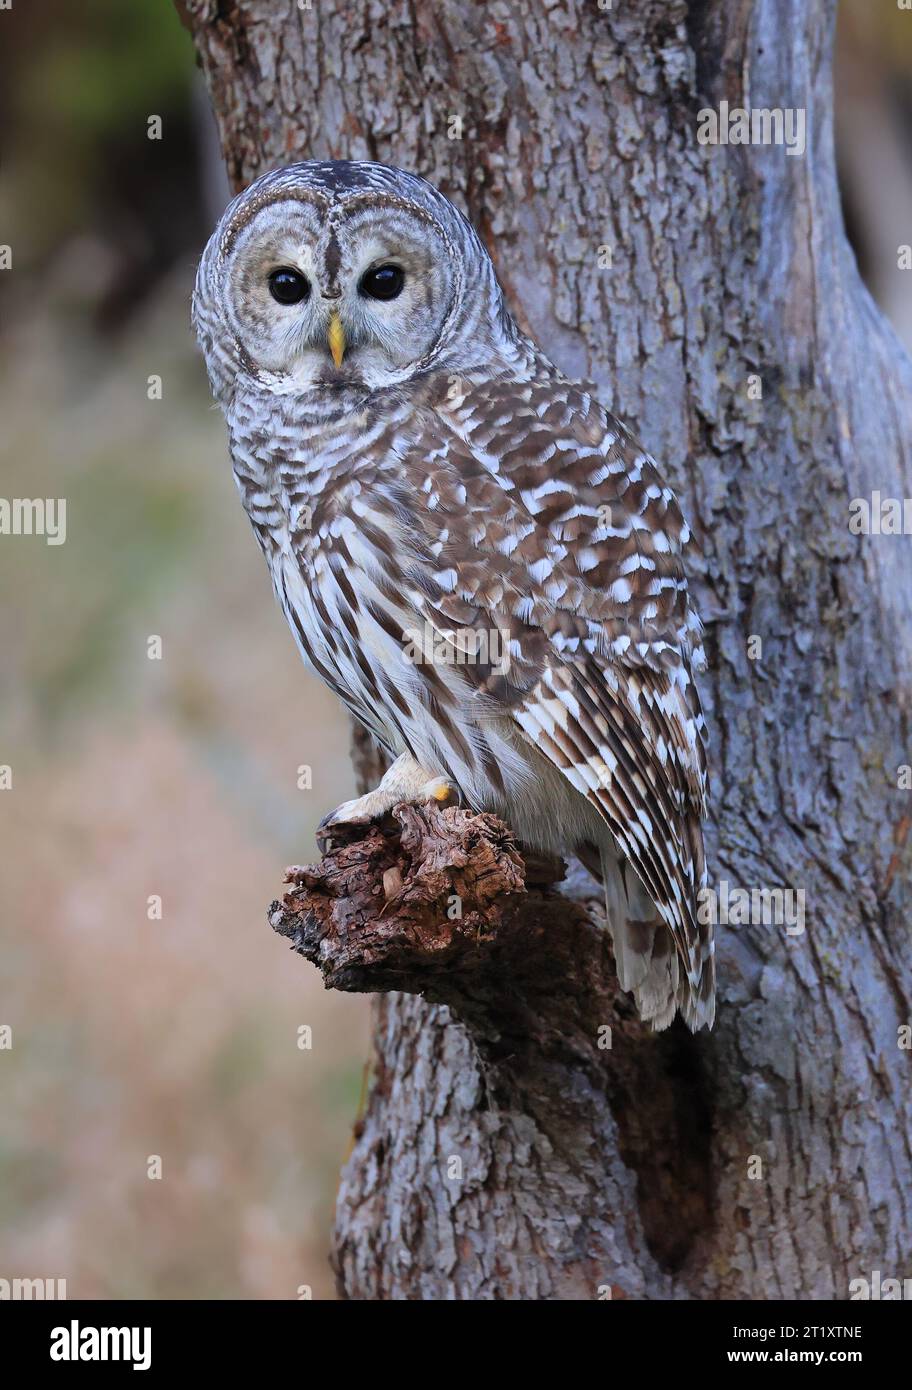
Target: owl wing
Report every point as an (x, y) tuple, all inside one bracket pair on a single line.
[(542, 518), (523, 508)]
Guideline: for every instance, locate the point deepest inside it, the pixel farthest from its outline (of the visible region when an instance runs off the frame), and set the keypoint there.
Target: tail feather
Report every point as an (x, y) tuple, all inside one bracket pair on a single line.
[(648, 966)]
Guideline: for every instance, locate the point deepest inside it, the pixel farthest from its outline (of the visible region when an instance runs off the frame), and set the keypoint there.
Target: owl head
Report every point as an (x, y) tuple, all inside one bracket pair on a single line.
[(332, 274)]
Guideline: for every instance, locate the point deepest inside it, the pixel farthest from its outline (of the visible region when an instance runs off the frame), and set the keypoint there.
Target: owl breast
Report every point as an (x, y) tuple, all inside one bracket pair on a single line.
[(305, 485), (333, 513)]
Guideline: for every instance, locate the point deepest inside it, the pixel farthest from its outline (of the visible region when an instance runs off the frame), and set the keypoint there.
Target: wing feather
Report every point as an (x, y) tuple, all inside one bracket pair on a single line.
[(525, 507)]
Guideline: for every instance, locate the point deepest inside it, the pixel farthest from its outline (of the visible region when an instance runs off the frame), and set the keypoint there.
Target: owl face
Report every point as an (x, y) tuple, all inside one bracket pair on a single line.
[(326, 275)]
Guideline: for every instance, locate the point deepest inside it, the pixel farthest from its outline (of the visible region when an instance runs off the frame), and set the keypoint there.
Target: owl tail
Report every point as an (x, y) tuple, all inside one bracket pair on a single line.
[(648, 965)]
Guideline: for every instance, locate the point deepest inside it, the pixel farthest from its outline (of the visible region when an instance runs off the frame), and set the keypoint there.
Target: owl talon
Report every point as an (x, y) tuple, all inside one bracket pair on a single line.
[(404, 782), (346, 814), (442, 792), (350, 815)]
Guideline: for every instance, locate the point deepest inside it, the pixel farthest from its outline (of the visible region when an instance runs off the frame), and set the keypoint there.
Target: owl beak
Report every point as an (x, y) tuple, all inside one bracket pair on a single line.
[(336, 336)]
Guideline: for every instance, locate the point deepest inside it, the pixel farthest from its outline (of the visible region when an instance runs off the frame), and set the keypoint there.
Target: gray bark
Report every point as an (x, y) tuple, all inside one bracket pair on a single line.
[(632, 1168)]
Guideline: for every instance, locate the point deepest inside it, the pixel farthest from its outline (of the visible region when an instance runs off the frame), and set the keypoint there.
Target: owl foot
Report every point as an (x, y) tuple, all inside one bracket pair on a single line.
[(405, 780)]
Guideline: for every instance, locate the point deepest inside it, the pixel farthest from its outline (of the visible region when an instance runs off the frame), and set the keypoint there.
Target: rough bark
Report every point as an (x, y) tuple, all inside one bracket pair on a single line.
[(584, 1168)]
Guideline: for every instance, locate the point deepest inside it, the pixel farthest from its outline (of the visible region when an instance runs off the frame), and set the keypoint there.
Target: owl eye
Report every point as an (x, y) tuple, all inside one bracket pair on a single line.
[(288, 286), (383, 282)]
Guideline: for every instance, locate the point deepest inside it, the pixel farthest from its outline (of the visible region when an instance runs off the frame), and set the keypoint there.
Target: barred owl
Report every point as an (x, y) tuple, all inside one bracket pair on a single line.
[(479, 560)]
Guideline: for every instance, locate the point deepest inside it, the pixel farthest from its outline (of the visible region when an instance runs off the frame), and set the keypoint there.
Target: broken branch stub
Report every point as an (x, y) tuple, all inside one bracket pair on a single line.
[(444, 905)]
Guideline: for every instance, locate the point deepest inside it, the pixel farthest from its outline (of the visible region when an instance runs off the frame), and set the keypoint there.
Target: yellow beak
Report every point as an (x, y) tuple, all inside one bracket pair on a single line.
[(336, 337)]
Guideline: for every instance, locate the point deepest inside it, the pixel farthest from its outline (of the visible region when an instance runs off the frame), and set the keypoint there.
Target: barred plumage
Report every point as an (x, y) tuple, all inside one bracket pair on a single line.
[(480, 561)]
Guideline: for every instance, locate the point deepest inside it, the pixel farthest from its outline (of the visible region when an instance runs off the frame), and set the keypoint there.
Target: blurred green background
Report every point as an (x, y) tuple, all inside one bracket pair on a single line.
[(178, 778)]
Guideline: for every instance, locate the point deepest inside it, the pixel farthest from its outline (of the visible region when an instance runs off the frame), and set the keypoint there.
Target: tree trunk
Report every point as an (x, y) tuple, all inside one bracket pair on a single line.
[(770, 1159)]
